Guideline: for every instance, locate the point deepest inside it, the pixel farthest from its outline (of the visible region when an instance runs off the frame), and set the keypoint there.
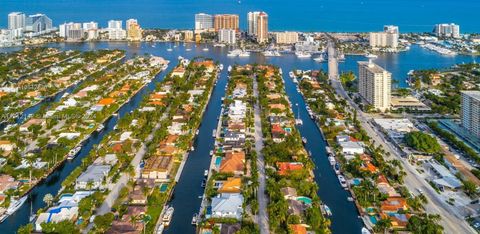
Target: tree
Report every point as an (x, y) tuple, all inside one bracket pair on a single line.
[(62, 227), (27, 229), (48, 198), (422, 142), (469, 187), (425, 224), (103, 222), (383, 225)]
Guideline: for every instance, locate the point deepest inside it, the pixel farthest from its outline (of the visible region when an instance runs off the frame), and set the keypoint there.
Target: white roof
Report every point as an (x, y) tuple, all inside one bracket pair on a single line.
[(227, 203)]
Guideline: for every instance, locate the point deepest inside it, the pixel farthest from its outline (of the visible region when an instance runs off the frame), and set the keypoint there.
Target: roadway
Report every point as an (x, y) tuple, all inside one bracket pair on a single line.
[(451, 221), (262, 216)]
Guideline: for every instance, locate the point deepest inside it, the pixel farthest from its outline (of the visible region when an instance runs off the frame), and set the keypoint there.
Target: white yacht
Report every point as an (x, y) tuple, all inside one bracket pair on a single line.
[(15, 205), (194, 219), (234, 53), (271, 53), (291, 74), (73, 152), (244, 54), (167, 216), (371, 56), (219, 45), (205, 49), (327, 210), (319, 59), (301, 54), (331, 159), (342, 180)]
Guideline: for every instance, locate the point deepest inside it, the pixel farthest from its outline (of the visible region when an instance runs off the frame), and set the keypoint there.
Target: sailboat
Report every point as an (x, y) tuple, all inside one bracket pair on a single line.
[(33, 216), (170, 48)]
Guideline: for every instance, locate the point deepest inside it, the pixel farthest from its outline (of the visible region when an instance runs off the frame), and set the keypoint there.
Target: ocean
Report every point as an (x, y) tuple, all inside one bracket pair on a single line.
[(306, 15)]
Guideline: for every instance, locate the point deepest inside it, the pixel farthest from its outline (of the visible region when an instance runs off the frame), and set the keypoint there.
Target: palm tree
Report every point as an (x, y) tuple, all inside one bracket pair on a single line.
[(48, 198), (383, 225), (31, 160)]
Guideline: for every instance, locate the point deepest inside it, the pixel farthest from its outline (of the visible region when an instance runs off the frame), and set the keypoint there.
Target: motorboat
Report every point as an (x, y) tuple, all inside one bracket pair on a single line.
[(205, 49), (301, 54), (100, 127), (73, 152), (371, 56), (15, 205), (229, 68), (160, 229), (194, 219), (365, 231), (342, 180), (291, 74), (167, 216), (205, 173), (234, 53), (220, 66), (331, 159), (337, 168), (319, 59), (350, 199), (244, 54), (304, 140), (211, 152), (219, 45), (214, 132), (271, 53), (327, 210), (298, 121), (204, 183)]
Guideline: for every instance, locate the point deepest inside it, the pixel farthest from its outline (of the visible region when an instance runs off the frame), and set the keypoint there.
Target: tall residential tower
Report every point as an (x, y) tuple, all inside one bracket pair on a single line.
[(374, 84), (471, 111)]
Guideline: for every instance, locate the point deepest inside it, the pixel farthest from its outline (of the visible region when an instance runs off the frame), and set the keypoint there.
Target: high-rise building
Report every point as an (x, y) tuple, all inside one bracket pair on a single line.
[(252, 22), (374, 84), (262, 27), (115, 30), (16, 20), (90, 25), (447, 30), (225, 21), (387, 39), (391, 29), (188, 35), (134, 31), (227, 36), (38, 23), (71, 31), (471, 111), (286, 37), (203, 21)]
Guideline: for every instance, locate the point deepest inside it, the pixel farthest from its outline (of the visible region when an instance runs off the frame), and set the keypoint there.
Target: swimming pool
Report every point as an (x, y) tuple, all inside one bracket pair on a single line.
[(218, 161)]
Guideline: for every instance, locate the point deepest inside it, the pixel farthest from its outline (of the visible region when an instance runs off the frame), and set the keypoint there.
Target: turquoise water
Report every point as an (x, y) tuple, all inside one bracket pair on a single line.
[(306, 15)]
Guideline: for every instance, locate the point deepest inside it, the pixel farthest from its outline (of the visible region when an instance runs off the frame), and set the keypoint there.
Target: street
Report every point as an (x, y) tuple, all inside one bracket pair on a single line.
[(413, 181)]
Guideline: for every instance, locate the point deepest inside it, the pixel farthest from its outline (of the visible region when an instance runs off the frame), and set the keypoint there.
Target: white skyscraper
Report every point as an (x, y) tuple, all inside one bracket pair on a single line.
[(252, 22), (203, 21), (374, 84), (16, 20), (71, 31), (447, 30), (471, 111), (38, 23), (115, 24), (90, 25), (227, 36)]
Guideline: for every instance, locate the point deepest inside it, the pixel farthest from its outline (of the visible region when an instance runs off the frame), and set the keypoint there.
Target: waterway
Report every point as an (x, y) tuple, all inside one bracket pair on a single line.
[(188, 189), (305, 15)]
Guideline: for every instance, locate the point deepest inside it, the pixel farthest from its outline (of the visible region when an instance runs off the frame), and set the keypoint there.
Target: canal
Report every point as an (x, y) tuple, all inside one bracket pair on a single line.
[(186, 199), (52, 183)]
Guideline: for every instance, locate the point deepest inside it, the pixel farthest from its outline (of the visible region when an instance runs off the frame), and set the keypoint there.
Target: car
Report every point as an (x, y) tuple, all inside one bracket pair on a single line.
[(419, 191)]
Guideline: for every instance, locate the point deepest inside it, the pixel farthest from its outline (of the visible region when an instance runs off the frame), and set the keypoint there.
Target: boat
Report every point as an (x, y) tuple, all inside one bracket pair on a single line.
[(211, 152), (229, 68), (33, 216), (100, 127), (205, 173), (234, 53), (196, 132), (350, 199), (219, 45), (337, 168), (220, 66), (214, 132), (332, 160), (167, 216), (304, 140), (342, 180), (295, 80), (291, 74), (205, 49), (192, 148), (194, 219), (301, 54), (170, 48), (271, 53), (188, 49), (160, 229), (244, 54), (298, 121), (365, 231), (371, 56), (15, 205), (73, 152), (327, 210), (204, 183), (319, 59)]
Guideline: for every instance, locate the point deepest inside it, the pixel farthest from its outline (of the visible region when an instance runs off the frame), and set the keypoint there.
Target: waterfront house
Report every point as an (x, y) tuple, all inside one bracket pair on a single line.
[(8, 182), (93, 178), (178, 71), (385, 188), (289, 193), (234, 136), (208, 64), (6, 147), (32, 122), (350, 148), (227, 205), (158, 168), (277, 106), (106, 101), (398, 221), (237, 110), (69, 135), (393, 205), (297, 228), (233, 163), (296, 207), (285, 168), (55, 215), (176, 128), (231, 185), (236, 126), (137, 197), (110, 159), (273, 96)]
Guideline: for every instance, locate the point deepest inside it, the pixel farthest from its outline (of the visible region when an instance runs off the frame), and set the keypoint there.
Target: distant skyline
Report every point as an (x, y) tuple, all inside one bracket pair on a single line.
[(307, 15)]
